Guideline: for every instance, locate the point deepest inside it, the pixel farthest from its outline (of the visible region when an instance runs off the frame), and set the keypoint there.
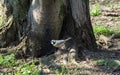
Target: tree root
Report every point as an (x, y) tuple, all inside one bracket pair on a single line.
[(19, 49)]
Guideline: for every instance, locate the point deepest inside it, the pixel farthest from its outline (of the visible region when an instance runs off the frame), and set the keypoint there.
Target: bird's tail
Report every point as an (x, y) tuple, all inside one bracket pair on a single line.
[(68, 39)]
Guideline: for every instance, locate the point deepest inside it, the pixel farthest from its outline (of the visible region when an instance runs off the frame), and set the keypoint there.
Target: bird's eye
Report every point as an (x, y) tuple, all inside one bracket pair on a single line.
[(52, 42)]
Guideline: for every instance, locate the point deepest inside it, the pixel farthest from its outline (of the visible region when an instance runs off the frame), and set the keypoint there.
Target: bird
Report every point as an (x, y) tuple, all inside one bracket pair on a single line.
[(59, 43)]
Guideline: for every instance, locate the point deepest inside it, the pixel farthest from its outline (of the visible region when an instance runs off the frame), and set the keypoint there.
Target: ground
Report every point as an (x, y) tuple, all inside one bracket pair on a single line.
[(101, 62), (110, 18)]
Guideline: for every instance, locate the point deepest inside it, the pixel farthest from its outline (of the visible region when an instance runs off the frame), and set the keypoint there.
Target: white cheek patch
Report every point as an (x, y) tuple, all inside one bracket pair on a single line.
[(52, 42)]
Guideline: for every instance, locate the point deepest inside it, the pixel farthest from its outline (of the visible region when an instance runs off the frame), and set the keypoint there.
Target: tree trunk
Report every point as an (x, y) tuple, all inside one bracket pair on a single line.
[(45, 19), (57, 20), (14, 15), (15, 10), (83, 27), (53, 19)]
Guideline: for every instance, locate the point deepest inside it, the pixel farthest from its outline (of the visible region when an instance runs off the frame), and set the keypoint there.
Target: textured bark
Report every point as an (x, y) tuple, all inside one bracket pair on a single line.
[(46, 24), (13, 28), (77, 25), (15, 11), (83, 27), (47, 20)]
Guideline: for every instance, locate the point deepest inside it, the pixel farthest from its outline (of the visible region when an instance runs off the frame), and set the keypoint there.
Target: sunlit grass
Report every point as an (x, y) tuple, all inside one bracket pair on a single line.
[(95, 9), (102, 30), (9, 61), (27, 69)]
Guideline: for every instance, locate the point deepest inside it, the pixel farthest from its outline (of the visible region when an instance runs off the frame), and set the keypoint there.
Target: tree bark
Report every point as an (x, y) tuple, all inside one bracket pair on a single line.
[(16, 11), (77, 24), (83, 27), (45, 22), (14, 17), (50, 19)]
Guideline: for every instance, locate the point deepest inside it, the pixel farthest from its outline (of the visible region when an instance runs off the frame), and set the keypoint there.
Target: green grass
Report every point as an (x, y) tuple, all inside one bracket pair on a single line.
[(27, 69), (108, 63), (95, 10), (106, 31), (102, 30), (62, 71), (9, 61)]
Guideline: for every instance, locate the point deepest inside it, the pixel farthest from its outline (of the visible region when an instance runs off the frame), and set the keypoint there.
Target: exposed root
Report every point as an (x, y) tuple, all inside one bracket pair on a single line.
[(3, 30), (19, 49)]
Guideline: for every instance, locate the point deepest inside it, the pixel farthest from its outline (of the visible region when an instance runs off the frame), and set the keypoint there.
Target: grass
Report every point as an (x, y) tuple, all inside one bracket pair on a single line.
[(7, 61), (108, 63), (27, 69), (95, 10), (10, 62), (62, 71), (106, 31), (102, 30)]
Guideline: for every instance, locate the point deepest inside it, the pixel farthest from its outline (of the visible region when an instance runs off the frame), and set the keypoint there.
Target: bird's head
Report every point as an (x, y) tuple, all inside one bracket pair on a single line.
[(53, 42)]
